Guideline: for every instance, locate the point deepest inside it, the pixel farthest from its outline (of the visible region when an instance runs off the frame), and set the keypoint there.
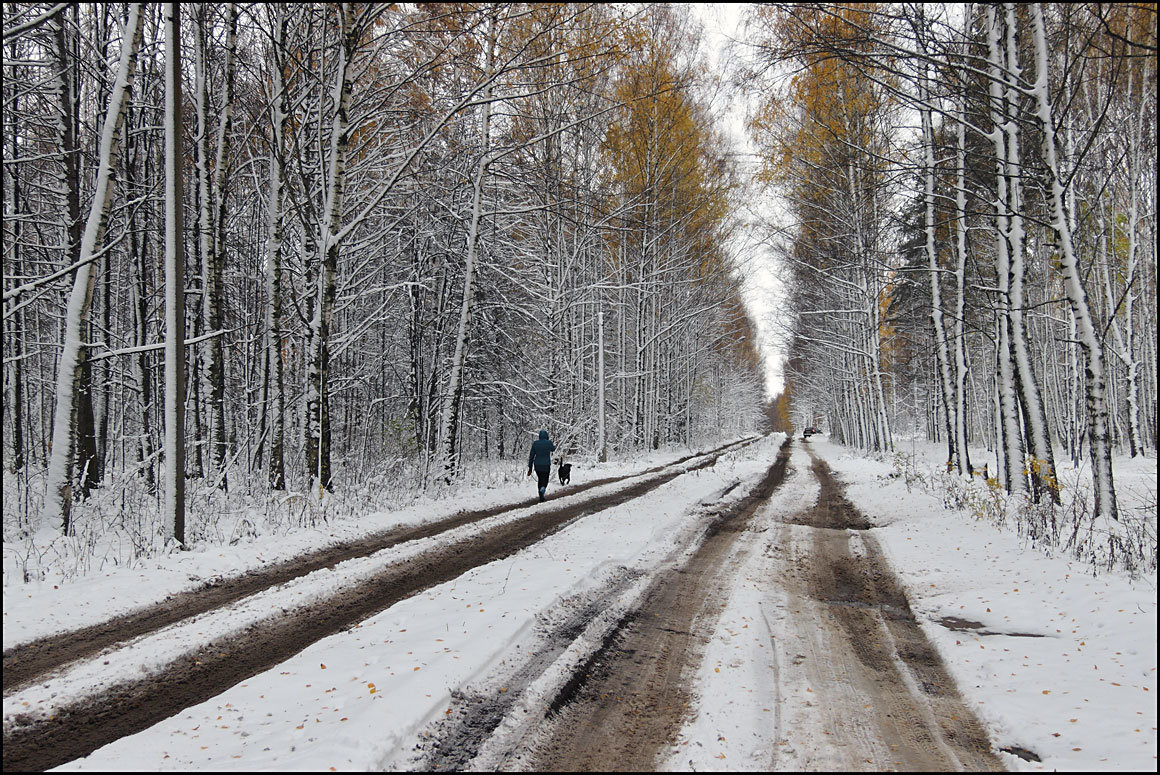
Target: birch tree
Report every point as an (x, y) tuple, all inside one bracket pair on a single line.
[(448, 427), (1090, 340), (279, 116), (211, 222), (59, 493)]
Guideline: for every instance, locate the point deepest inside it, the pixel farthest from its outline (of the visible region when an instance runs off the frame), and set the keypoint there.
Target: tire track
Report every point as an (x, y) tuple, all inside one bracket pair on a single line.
[(627, 699), (878, 688), (25, 663), (78, 729)]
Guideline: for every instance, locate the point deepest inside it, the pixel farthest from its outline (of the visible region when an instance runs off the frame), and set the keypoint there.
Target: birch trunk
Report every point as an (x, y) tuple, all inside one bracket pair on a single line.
[(449, 424), (601, 445), (1089, 338), (949, 399), (140, 363), (219, 444), (1126, 339), (211, 218), (317, 390), (14, 324), (1041, 466), (276, 466), (1014, 479), (58, 496), (87, 462), (960, 383)]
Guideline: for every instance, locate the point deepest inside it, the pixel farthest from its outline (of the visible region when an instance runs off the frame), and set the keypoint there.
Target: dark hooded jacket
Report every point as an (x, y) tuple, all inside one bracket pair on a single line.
[(540, 457)]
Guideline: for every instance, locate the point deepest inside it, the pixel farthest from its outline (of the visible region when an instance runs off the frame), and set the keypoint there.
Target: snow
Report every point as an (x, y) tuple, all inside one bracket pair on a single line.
[(738, 686), (36, 609), (1081, 696)]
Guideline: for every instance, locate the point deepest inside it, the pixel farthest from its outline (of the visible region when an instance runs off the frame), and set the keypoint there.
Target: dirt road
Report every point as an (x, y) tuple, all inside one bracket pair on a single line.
[(77, 729), (28, 661), (882, 698), (610, 686), (627, 697)]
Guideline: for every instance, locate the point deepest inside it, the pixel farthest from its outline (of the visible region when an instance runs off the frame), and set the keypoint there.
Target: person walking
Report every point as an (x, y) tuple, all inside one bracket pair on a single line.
[(540, 458)]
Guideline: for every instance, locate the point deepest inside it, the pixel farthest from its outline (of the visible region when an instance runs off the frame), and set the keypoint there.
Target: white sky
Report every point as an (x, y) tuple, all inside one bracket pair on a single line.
[(722, 24)]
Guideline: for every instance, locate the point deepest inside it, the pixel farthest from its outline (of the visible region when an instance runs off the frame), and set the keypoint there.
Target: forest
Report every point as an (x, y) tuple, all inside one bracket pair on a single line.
[(972, 241), (269, 258), (269, 264)]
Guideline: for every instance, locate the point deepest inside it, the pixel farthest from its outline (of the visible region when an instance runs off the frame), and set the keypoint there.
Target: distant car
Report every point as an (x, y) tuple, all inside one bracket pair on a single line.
[(809, 432)]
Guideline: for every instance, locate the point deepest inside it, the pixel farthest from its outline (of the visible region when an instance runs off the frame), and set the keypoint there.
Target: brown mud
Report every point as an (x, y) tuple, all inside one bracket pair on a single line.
[(880, 689), (76, 730), (629, 699), (28, 661), (881, 697)]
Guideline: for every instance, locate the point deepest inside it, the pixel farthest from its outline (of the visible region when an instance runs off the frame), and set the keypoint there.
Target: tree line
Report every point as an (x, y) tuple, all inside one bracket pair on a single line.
[(973, 256), (271, 246)]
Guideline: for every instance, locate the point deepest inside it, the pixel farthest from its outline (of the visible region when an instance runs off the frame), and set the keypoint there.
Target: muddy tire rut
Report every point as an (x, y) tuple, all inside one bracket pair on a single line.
[(27, 661), (841, 626), (628, 698), (880, 690), (882, 697), (35, 743)]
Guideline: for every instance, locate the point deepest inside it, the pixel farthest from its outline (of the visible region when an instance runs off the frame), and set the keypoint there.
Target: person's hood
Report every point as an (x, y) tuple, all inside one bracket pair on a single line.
[(543, 434)]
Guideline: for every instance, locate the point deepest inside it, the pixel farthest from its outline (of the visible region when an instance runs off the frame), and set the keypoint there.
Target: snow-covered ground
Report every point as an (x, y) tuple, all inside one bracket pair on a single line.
[(1082, 696), (70, 599), (1076, 683), (354, 700)]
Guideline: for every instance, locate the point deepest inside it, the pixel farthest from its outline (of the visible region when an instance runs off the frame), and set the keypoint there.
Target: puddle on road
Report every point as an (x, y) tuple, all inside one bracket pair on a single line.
[(966, 625), (1022, 753)]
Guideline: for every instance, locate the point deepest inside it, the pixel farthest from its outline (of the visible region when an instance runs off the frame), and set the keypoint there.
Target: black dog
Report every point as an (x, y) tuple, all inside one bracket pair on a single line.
[(565, 472)]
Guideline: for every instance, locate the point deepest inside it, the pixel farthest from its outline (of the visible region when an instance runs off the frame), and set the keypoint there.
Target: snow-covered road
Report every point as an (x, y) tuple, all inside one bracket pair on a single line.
[(1080, 697)]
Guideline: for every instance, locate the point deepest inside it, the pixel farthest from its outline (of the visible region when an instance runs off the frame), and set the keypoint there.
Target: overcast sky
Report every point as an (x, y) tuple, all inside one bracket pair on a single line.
[(722, 23)]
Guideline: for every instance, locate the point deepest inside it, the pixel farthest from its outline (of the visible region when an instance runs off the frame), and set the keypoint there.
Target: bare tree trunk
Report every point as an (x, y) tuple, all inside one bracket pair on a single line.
[(960, 382), (174, 284), (449, 425), (58, 497), (949, 402), (1041, 466), (1014, 479), (1125, 341), (276, 467), (211, 233), (1101, 454), (601, 444), (318, 370), (86, 461), (14, 324), (140, 364)]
